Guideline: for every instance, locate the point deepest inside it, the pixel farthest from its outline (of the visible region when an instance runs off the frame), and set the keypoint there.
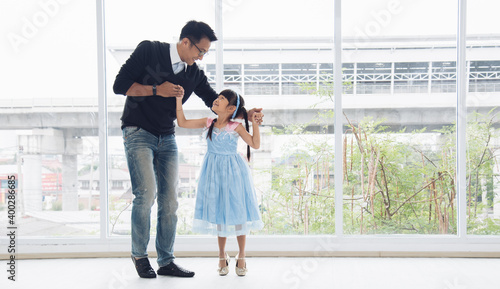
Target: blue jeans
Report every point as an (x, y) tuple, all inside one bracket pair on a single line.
[(153, 165)]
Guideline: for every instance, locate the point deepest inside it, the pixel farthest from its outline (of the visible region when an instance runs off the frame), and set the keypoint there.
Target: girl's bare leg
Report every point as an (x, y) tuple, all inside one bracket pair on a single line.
[(241, 254), (222, 251)]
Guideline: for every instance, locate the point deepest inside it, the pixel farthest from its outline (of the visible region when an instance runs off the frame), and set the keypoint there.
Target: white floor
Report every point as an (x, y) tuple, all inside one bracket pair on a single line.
[(275, 273)]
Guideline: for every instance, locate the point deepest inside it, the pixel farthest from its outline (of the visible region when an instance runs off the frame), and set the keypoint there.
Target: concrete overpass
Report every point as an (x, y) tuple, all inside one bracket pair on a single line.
[(79, 117), (58, 126)]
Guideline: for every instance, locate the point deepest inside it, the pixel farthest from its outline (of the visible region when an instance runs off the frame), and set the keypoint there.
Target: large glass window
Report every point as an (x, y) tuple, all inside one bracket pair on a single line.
[(399, 151), (399, 111), (483, 122), (122, 36), (48, 109), (285, 64)]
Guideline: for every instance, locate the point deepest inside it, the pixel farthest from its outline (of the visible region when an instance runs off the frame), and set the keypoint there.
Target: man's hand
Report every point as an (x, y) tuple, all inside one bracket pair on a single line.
[(168, 89), (256, 118), (259, 117)]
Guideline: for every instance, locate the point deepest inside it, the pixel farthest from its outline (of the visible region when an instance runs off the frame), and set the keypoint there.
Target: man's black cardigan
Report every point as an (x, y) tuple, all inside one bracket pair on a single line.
[(150, 64)]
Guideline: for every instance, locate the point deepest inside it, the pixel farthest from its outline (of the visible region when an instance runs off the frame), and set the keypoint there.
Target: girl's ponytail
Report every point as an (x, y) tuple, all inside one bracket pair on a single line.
[(211, 128), (245, 117)]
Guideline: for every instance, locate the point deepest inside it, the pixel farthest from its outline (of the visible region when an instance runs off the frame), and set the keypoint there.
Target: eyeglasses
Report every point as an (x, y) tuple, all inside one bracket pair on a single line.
[(202, 52)]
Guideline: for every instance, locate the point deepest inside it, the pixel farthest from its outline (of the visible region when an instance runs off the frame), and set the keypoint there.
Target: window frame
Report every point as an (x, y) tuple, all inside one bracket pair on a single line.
[(339, 244)]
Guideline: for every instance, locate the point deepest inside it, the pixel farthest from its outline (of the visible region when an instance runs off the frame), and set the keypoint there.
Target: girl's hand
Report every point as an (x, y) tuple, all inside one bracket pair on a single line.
[(168, 89)]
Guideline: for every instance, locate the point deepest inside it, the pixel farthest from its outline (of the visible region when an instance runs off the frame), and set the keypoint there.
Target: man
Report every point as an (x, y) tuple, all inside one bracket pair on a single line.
[(151, 78)]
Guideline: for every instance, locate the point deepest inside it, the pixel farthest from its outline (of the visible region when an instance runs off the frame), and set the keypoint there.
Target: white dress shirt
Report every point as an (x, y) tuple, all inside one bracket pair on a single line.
[(177, 63)]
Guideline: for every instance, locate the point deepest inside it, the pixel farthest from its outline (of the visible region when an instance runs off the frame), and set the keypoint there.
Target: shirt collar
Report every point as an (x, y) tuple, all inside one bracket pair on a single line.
[(174, 54)]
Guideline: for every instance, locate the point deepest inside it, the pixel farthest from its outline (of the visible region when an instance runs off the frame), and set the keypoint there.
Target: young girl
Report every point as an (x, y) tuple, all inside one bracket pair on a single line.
[(226, 203)]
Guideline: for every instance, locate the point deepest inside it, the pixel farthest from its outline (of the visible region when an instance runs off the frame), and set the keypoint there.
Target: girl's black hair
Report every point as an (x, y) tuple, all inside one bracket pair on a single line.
[(232, 98)]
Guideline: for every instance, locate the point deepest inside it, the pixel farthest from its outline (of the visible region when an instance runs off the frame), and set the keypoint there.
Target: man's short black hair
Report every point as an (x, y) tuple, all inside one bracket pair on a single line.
[(196, 30)]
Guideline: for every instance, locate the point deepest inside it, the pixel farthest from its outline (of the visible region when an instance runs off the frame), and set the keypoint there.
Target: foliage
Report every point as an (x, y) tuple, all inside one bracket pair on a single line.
[(394, 182)]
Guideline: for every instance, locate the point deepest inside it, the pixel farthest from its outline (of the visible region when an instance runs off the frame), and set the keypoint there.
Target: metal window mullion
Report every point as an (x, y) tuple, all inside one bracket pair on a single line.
[(103, 119), (338, 128), (219, 63), (461, 120)]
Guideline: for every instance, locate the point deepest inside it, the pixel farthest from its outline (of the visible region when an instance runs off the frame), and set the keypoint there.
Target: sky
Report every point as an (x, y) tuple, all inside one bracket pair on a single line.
[(49, 46)]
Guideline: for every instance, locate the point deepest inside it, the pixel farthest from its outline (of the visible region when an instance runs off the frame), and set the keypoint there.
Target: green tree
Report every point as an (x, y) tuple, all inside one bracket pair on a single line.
[(394, 182)]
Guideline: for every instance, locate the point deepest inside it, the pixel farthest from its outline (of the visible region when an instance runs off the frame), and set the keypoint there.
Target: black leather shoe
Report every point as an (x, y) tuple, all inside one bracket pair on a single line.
[(143, 268), (173, 270)]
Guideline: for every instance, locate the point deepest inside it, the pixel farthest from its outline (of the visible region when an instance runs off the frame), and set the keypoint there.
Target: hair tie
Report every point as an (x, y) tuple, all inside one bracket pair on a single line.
[(237, 105)]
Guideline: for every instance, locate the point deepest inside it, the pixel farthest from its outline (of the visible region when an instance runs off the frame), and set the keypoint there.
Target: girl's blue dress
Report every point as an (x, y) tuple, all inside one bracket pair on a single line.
[(226, 204)]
